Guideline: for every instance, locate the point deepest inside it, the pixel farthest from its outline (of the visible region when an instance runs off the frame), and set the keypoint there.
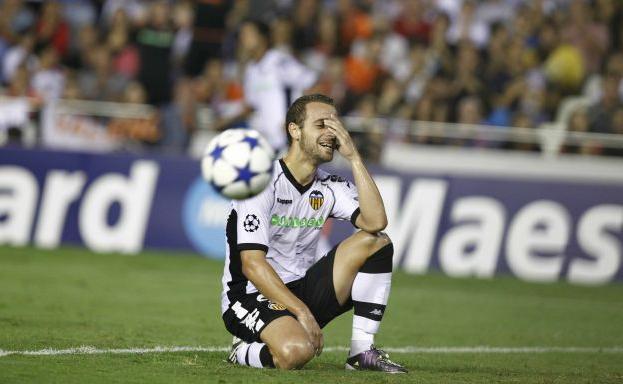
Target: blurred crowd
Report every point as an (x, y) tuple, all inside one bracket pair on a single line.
[(496, 62)]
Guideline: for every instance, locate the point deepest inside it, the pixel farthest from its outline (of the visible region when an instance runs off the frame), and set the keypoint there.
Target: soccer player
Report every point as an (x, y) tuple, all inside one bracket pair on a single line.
[(277, 295), (272, 80)]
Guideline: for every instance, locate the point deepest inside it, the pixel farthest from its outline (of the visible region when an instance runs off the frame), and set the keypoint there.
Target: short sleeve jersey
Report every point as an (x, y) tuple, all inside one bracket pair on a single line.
[(285, 221)]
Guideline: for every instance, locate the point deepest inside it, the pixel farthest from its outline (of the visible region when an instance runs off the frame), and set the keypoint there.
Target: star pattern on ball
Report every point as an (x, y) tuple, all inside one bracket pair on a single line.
[(252, 141), (217, 152), (245, 174), (251, 223)]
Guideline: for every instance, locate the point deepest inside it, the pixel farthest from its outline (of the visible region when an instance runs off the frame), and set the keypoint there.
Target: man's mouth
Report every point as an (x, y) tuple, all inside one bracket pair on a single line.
[(328, 144)]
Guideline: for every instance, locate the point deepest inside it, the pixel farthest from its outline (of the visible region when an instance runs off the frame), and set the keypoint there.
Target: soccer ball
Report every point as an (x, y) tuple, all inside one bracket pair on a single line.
[(238, 163)]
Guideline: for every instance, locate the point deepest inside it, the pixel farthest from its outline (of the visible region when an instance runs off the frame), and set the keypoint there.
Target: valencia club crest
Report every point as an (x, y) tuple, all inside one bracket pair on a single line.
[(316, 198)]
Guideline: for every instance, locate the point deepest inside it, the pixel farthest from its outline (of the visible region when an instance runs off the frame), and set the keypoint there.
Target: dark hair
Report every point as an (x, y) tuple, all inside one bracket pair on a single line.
[(297, 111), (261, 27)]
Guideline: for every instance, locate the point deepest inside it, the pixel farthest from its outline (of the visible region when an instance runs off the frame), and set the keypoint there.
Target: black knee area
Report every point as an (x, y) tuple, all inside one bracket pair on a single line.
[(380, 261), (266, 358)]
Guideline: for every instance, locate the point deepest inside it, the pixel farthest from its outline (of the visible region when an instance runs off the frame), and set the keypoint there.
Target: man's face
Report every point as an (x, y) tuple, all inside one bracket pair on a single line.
[(317, 141), (249, 38)]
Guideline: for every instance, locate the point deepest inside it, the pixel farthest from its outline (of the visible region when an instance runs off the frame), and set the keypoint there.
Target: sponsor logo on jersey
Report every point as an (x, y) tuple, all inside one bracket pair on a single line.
[(283, 201), (251, 223), (296, 222), (316, 198)]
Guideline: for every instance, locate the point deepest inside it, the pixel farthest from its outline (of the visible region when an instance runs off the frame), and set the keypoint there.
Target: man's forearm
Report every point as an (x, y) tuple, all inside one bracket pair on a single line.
[(268, 282), (371, 207)]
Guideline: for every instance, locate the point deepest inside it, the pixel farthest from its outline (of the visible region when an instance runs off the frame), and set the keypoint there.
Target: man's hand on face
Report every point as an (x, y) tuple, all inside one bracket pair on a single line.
[(345, 145)]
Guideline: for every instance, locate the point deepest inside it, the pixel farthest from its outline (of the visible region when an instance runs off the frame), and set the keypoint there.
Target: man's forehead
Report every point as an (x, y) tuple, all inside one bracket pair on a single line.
[(317, 110)]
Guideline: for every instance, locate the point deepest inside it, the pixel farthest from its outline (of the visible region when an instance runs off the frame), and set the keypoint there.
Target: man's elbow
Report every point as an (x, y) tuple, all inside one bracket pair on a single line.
[(249, 267), (378, 225)]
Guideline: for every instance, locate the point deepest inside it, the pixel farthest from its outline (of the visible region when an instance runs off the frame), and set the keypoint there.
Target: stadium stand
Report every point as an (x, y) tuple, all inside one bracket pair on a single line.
[(488, 73)]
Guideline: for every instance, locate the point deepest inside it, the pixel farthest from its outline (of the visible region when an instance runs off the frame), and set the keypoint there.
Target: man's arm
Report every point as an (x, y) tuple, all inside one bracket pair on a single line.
[(267, 281), (224, 123), (372, 217)]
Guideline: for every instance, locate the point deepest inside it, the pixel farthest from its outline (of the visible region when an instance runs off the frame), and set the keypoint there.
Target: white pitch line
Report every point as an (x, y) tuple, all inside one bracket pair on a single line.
[(89, 350)]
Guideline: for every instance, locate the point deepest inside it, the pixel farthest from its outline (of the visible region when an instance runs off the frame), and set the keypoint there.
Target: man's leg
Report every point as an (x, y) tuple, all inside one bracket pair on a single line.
[(362, 270), (266, 335), (288, 343), (284, 345)]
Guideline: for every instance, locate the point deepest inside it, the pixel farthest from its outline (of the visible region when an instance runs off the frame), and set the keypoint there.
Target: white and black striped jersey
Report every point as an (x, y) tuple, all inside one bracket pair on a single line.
[(284, 221)]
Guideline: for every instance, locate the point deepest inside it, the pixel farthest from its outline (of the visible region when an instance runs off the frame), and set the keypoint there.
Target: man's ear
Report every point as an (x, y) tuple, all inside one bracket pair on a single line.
[(295, 131)]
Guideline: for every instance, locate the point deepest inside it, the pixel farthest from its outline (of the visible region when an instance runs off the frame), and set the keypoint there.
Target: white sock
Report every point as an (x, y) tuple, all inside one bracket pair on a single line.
[(360, 342), (249, 355), (370, 293)]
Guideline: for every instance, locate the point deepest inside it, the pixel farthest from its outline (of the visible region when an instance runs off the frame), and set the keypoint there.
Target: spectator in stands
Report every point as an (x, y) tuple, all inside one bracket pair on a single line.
[(617, 128), (155, 43), (305, 19), (18, 55), (390, 98), (183, 18), (332, 83), (362, 69), (98, 81), (124, 56), (369, 137), (20, 83), (178, 119), (355, 22), (600, 114), (469, 112), (72, 88), (209, 29), (136, 10), (48, 81), (87, 37), (423, 60), (466, 81), (412, 22), (588, 35), (467, 27), (521, 120), (579, 122), (53, 29)]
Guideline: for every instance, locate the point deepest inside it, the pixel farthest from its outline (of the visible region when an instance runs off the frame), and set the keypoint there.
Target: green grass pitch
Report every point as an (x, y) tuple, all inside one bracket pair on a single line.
[(71, 297)]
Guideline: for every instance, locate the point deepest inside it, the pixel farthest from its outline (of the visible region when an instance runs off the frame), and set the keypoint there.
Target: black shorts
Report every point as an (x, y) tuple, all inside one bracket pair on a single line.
[(249, 314)]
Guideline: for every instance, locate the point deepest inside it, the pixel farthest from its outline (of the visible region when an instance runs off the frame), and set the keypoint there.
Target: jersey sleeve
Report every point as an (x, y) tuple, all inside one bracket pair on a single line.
[(294, 74), (346, 205), (252, 227)]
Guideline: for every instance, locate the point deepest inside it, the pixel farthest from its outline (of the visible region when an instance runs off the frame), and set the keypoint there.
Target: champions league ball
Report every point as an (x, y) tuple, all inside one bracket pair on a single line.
[(238, 163)]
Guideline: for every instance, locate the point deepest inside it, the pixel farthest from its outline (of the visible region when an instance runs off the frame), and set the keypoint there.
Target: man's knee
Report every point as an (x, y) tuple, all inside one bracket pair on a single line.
[(380, 257), (293, 354), (382, 240), (374, 241)]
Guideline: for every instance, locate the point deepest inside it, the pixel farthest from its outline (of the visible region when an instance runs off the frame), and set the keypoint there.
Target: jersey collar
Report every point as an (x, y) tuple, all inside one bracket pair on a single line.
[(299, 187)]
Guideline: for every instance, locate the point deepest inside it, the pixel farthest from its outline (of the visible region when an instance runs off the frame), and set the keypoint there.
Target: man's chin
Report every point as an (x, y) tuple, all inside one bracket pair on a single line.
[(324, 157)]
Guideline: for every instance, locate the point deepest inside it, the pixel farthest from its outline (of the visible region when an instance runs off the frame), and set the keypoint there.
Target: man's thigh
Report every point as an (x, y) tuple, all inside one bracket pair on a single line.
[(317, 291), (248, 315)]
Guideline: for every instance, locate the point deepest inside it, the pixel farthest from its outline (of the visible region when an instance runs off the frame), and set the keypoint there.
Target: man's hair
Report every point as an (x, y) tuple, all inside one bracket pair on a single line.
[(261, 27), (297, 111)]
